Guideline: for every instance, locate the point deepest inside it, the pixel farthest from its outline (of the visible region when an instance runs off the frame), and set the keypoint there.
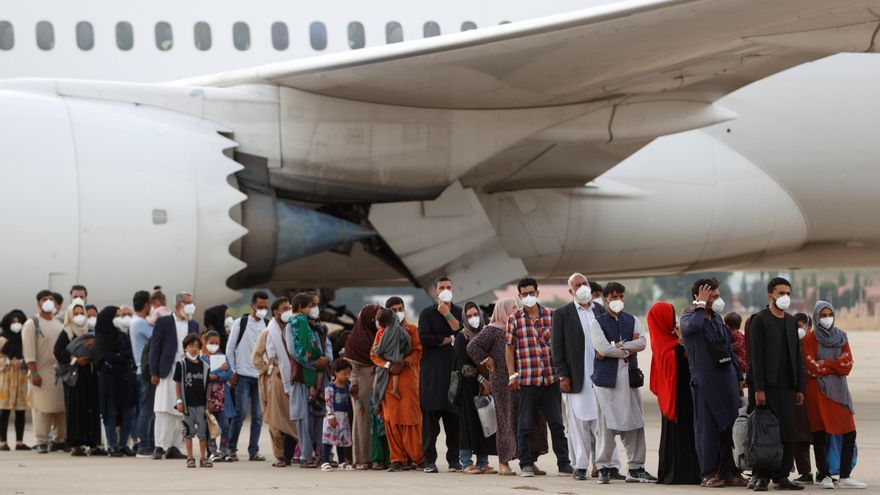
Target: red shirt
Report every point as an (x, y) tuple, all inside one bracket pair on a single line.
[(531, 341)]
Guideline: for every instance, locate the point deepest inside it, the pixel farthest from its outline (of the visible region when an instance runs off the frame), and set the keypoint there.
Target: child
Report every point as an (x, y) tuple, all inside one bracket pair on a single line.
[(337, 427), (157, 307), (394, 346), (217, 395), (191, 377), (733, 322)]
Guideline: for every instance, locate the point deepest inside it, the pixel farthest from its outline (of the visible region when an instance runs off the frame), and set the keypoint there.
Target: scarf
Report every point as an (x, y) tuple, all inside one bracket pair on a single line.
[(395, 342), (13, 348), (503, 309), (831, 342), (215, 319), (106, 334), (73, 330), (360, 340), (664, 365), (467, 330)]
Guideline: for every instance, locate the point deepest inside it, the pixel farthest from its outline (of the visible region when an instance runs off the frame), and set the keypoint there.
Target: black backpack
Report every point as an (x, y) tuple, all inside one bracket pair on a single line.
[(145, 362), (764, 450)]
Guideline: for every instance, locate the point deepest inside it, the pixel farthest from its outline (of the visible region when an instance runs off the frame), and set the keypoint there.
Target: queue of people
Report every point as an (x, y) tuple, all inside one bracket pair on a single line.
[(498, 385)]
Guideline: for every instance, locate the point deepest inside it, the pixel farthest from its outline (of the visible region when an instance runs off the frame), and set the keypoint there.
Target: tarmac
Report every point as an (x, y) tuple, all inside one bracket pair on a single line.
[(28, 473)]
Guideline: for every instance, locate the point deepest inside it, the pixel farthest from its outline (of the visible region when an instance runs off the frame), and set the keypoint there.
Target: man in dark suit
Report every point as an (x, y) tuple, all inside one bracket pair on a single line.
[(166, 348), (777, 374)]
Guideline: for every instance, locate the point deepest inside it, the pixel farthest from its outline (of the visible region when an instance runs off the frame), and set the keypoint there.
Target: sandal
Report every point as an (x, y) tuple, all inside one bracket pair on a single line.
[(205, 463), (362, 467), (327, 467), (472, 470), (309, 465), (280, 463), (505, 471), (347, 467), (488, 470), (190, 463)]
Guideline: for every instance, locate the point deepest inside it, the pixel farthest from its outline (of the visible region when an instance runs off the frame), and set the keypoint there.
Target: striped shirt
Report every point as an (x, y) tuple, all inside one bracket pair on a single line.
[(531, 341)]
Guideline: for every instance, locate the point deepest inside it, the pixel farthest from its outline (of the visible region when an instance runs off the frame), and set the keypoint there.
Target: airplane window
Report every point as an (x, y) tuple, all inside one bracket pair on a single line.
[(280, 36), (431, 28), (85, 35), (241, 36), (164, 36), (45, 35), (318, 35), (202, 35), (124, 36), (7, 35), (468, 25), (393, 32), (503, 23), (356, 36)]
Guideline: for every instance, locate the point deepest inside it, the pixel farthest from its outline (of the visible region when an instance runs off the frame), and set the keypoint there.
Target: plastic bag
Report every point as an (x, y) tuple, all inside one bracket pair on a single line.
[(485, 405)]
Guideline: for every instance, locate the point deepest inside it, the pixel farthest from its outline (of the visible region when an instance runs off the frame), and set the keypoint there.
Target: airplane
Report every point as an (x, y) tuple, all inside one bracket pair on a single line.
[(218, 145)]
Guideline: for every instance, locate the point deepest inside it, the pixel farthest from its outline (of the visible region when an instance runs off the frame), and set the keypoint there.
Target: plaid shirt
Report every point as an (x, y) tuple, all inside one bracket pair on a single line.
[(531, 341)]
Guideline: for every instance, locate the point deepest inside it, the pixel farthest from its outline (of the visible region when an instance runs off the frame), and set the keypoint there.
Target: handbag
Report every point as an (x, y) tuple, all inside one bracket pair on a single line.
[(485, 405), (68, 374), (636, 377), (454, 387)]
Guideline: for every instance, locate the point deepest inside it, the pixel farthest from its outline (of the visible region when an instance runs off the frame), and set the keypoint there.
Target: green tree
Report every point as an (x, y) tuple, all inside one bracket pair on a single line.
[(675, 286)]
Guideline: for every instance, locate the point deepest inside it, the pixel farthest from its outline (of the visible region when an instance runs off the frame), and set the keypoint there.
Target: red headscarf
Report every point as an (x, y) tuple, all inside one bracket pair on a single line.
[(661, 326)]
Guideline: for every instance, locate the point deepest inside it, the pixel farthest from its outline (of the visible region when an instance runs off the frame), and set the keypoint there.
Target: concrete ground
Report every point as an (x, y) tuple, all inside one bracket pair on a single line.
[(30, 474)]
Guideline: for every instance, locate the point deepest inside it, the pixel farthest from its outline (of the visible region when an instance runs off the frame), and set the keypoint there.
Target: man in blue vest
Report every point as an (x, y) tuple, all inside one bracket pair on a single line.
[(617, 337)]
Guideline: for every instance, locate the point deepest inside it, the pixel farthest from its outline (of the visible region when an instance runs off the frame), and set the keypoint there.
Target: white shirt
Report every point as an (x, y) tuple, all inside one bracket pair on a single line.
[(240, 356), (182, 327), (583, 403)]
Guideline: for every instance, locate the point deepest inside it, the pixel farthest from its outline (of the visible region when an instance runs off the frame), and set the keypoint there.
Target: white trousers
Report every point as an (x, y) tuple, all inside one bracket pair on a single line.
[(582, 442), (168, 431)]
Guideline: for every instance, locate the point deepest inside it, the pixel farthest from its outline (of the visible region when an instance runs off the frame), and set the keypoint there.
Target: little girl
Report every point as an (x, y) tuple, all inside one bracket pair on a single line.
[(217, 395), (337, 427)]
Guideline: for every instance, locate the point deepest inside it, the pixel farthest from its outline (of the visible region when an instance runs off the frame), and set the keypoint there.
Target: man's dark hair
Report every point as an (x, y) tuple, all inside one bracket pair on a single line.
[(775, 281), (712, 282), (393, 300), (190, 338), (595, 287), (442, 279), (90, 307), (141, 298), (733, 320), (613, 287), (302, 300), (278, 302), (386, 317), (259, 295), (59, 299), (43, 293), (79, 287), (525, 282), (339, 365)]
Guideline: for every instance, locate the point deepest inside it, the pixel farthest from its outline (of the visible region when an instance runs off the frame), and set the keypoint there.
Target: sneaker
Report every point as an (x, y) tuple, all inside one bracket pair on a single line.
[(158, 454), (804, 479), (850, 483), (640, 476), (751, 484), (42, 449), (527, 472), (827, 483), (615, 474), (429, 468), (218, 458), (580, 474), (456, 467), (144, 452), (127, 452), (56, 446), (566, 470), (762, 484), (22, 447), (604, 476), (116, 453), (174, 453), (396, 467)]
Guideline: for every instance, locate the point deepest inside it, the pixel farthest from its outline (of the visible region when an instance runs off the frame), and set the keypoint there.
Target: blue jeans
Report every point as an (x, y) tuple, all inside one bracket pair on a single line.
[(247, 393), (225, 424), (144, 420), (124, 431), (465, 456)]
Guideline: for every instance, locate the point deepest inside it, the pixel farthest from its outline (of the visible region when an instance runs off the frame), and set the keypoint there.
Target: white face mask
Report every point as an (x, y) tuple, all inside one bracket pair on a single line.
[(287, 315), (193, 357), (212, 348), (826, 322), (314, 313), (48, 306), (718, 305), (616, 306), (15, 327), (79, 320), (801, 332), (377, 324), (78, 302), (93, 320), (474, 321), (400, 316), (445, 296), (582, 295), (189, 310), (122, 322), (783, 302), (261, 313), (530, 301), (599, 301), (228, 322)]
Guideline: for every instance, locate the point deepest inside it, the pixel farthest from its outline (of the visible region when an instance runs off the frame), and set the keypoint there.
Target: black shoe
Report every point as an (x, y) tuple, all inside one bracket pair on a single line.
[(42, 448), (56, 446), (396, 467), (174, 453), (256, 458), (429, 468), (456, 467), (98, 452), (158, 454), (640, 476), (78, 452), (566, 470), (5, 448), (127, 452), (762, 485), (22, 446), (615, 474), (116, 453), (604, 476), (786, 484), (805, 479), (580, 474)]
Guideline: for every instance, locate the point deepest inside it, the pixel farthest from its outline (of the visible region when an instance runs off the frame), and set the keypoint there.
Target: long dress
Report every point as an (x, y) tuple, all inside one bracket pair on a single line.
[(678, 464), (470, 431), (490, 343), (81, 400), (13, 382)]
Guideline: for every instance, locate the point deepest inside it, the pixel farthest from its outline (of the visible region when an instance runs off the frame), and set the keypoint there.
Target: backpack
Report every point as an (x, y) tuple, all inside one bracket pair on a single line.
[(145, 361), (764, 450), (243, 326), (741, 440)]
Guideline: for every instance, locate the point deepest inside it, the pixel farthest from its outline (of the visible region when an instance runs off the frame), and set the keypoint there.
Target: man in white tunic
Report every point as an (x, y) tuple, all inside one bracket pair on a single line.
[(166, 348), (617, 337)]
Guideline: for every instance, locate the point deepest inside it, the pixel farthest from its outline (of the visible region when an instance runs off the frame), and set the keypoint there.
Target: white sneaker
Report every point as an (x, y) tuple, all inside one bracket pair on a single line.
[(851, 483), (827, 483)]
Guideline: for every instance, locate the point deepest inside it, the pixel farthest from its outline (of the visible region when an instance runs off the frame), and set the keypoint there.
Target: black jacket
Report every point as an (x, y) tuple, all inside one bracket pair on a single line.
[(568, 344), (765, 347), (164, 345)]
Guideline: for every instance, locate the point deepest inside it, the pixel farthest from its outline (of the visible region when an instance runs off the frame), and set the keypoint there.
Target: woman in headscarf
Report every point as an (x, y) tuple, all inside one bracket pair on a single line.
[(357, 352), (473, 384), (13, 378), (116, 380), (829, 360), (487, 348), (217, 318), (76, 353), (670, 382)]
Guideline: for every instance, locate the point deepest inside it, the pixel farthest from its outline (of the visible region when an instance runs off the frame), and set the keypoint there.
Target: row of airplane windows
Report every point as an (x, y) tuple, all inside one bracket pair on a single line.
[(241, 35)]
